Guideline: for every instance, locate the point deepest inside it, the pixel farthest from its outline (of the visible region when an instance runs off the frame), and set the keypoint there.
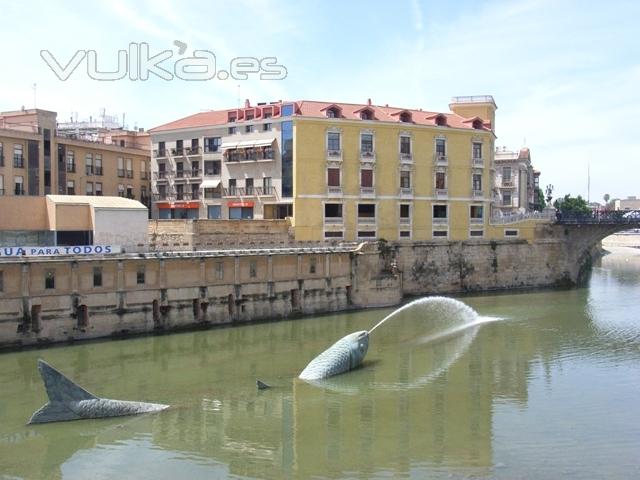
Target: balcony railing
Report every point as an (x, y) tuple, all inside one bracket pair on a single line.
[(183, 173), (234, 192), (177, 151), (193, 150), (333, 220), (18, 161), (442, 193), (247, 155), (19, 191), (405, 220), (1, 160), (508, 184), (210, 194), (334, 190), (160, 153), (406, 158), (211, 148), (121, 172), (129, 173), (477, 194), (440, 221), (368, 156), (367, 191), (476, 221), (196, 172), (71, 167), (88, 170), (477, 162), (97, 171), (366, 220), (163, 174), (406, 191), (334, 155), (145, 175), (266, 191), (440, 159), (167, 196)]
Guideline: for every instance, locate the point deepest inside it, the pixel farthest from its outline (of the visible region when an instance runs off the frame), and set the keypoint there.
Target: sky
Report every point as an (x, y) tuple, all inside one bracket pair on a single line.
[(565, 74)]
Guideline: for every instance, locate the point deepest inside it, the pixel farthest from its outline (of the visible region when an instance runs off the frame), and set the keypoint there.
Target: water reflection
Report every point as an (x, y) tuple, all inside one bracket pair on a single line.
[(454, 407)]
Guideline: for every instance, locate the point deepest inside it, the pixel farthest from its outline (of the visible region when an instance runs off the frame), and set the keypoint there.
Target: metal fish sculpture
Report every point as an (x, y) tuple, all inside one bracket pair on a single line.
[(344, 355), (69, 401)]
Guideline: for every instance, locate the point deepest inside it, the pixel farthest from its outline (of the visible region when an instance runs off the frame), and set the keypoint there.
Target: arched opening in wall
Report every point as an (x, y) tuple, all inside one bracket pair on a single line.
[(35, 317), (295, 299), (231, 306), (196, 309), (155, 308), (83, 316)]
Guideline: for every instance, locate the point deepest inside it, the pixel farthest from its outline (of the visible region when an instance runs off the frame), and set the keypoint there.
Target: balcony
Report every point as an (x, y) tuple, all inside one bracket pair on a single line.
[(508, 184), (265, 191), (367, 191), (477, 194), (334, 155), (211, 172), (160, 153), (97, 171), (121, 172), (248, 155), (441, 160), (163, 174), (406, 158), (187, 196), (182, 174), (193, 151), (367, 156), (366, 220), (477, 162), (166, 196), (129, 173), (177, 152), (234, 192), (442, 193), (334, 191), (406, 192), (88, 170)]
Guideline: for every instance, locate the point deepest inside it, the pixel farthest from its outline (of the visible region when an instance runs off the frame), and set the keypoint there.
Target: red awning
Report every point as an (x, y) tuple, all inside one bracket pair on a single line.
[(240, 204), (189, 205)]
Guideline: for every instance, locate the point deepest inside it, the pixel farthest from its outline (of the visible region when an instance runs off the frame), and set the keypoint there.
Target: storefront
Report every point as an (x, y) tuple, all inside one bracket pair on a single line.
[(240, 210), (178, 210)]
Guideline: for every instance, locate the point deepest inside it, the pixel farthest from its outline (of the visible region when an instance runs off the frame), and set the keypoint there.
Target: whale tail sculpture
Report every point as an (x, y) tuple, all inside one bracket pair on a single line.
[(344, 355), (69, 401)]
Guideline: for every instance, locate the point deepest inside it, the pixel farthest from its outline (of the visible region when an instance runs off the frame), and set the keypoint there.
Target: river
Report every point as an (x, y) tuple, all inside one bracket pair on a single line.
[(545, 386)]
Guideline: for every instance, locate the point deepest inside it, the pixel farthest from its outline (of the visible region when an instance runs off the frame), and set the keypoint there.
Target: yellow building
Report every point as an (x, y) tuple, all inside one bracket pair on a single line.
[(368, 172)]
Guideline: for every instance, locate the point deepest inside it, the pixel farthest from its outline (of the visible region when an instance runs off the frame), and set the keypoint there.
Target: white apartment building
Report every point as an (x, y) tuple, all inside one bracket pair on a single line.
[(515, 181)]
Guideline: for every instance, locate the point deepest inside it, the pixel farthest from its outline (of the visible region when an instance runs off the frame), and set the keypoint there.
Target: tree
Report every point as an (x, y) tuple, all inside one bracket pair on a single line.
[(606, 199), (538, 200), (569, 205)]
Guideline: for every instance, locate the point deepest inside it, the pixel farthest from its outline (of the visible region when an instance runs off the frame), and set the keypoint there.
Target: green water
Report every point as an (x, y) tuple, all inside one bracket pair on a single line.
[(549, 388)]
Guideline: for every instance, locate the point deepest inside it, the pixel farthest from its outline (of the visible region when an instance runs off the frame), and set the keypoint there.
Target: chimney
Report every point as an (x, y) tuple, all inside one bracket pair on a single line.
[(247, 104), (368, 101)]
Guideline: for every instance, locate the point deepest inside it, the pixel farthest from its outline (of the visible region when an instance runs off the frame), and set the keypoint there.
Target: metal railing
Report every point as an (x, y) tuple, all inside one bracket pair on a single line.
[(18, 161), (71, 168), (406, 158), (440, 159), (121, 172), (97, 171), (367, 156), (129, 173), (193, 150), (334, 154), (477, 162), (603, 217), (521, 217)]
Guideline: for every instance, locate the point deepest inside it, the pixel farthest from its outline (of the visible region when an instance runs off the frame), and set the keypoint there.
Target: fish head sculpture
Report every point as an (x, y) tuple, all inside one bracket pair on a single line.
[(344, 355)]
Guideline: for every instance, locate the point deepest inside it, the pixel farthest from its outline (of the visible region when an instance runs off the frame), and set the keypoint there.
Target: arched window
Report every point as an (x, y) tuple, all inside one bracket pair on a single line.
[(478, 124), (333, 112), (441, 121)]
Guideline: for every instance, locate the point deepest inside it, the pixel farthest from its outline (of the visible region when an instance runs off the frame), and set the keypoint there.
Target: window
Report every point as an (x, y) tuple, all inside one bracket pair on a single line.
[(287, 110), (511, 233), (253, 269), (366, 143), (506, 174), (71, 187), (162, 149), (439, 211), (333, 141), (441, 121), (333, 210), (143, 193), (477, 182), (210, 193), (240, 213), (248, 129), (219, 271), (212, 167), (405, 145), (405, 117), (333, 112), (98, 164), (129, 168), (405, 234), (179, 192), (441, 181), (89, 188), (120, 190), (71, 161), (312, 264), (232, 117), (49, 280), (88, 164), (266, 127), (366, 233), (333, 234), (267, 186), (179, 169), (120, 167), (248, 186), (366, 114), (162, 192), (19, 185), (475, 212), (97, 276), (18, 156), (366, 210), (440, 233), (232, 130), (333, 177), (143, 170), (1, 281), (140, 275), (405, 211), (441, 147), (506, 198), (266, 113), (195, 168), (405, 179), (476, 233), (179, 147), (477, 150), (211, 144), (1, 155), (232, 186), (214, 212), (1, 184), (99, 188), (366, 178), (129, 191)]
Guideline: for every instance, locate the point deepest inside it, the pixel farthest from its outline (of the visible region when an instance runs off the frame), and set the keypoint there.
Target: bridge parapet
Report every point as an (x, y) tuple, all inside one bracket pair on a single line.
[(623, 218)]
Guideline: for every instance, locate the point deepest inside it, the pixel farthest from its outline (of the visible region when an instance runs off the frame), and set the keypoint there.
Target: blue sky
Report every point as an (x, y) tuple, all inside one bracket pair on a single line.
[(565, 74)]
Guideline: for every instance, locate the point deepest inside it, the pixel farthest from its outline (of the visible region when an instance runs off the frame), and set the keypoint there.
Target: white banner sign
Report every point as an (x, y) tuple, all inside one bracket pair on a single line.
[(57, 251)]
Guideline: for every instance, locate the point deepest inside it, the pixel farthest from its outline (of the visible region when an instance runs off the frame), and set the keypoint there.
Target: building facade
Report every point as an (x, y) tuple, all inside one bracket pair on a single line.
[(223, 165), (36, 160), (515, 181)]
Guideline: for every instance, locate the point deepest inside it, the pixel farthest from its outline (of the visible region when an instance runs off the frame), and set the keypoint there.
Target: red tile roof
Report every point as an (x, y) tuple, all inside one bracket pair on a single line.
[(312, 108)]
